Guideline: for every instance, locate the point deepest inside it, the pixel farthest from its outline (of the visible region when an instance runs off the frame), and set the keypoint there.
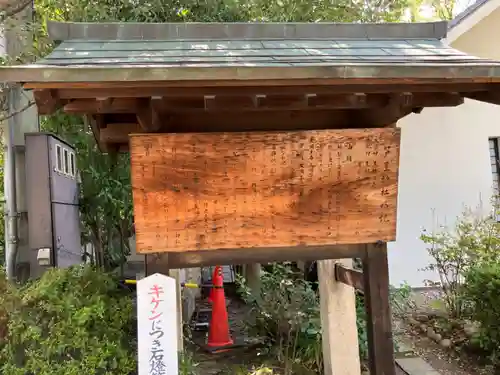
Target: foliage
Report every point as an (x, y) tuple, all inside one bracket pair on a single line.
[(262, 371), (467, 259), (2, 207), (400, 300), (222, 11), (361, 324), (287, 312), (105, 193), (482, 289), (475, 239), (71, 321), (187, 365)]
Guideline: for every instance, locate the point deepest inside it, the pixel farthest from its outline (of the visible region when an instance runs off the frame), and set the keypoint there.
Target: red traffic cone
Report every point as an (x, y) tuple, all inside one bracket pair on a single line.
[(218, 335)]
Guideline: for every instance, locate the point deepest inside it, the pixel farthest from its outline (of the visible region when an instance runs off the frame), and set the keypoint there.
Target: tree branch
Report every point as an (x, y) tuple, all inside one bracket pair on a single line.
[(21, 110), (8, 9)]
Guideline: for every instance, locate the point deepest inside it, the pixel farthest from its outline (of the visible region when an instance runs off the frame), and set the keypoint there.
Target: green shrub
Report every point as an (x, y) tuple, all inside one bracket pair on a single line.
[(70, 322), (287, 311), (362, 329), (482, 289), (474, 239)]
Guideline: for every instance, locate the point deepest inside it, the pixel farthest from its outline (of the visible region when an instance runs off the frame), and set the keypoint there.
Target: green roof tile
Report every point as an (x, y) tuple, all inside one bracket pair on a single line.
[(244, 51)]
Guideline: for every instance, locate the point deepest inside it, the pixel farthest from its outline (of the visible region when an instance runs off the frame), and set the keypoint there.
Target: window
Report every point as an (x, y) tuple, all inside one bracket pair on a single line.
[(72, 164), (59, 159), (66, 161), (495, 164), (495, 171)]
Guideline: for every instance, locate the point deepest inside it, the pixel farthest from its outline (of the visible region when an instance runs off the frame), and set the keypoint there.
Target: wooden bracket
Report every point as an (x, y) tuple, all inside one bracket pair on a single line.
[(98, 124), (47, 101), (349, 277), (147, 114), (103, 104)]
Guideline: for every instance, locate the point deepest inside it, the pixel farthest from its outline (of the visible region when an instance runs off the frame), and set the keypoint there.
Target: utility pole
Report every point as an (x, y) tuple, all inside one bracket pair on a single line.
[(22, 118)]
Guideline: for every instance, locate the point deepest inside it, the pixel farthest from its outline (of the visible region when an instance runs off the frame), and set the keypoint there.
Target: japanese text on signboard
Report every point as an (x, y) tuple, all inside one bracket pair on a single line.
[(156, 362)]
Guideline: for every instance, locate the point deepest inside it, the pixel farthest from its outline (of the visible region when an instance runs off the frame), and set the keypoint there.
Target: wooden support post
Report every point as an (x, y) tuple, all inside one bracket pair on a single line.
[(378, 310), (158, 263), (178, 296), (252, 275), (338, 321)]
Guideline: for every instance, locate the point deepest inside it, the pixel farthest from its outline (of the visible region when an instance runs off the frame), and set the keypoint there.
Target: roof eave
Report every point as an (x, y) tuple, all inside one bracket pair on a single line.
[(284, 72)]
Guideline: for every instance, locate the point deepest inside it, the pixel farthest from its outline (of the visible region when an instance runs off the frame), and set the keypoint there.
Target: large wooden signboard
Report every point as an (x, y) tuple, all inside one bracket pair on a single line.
[(242, 190)]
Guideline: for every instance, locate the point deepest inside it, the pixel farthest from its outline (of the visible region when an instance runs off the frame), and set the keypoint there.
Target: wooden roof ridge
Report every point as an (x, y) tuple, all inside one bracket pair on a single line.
[(63, 31)]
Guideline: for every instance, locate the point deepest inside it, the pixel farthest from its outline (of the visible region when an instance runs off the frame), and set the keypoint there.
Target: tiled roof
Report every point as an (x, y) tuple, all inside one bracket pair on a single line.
[(243, 51), (265, 52)]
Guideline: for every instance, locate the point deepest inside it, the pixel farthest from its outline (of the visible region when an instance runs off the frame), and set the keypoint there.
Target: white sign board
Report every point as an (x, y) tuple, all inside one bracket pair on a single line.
[(157, 325)]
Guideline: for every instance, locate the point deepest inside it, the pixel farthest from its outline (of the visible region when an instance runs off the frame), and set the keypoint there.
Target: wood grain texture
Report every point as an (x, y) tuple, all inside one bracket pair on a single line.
[(206, 191), (378, 310)]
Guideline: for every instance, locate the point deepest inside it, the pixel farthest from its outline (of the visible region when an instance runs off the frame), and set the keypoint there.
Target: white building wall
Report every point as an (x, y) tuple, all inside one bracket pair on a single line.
[(444, 164)]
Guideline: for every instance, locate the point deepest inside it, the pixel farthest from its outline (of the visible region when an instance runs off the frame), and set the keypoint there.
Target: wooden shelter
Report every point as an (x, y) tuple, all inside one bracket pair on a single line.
[(258, 142)]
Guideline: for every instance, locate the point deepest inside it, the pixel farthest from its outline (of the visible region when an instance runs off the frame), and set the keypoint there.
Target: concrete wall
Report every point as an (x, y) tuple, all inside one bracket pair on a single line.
[(445, 164)]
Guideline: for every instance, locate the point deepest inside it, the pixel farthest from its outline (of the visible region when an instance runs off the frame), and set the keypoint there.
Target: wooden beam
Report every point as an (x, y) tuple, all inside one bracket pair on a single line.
[(150, 90), (47, 101), (402, 104), (286, 101), (222, 103), (349, 277), (100, 106), (214, 121), (398, 106), (235, 121), (338, 322), (157, 263), (258, 255), (378, 310), (350, 85), (118, 133), (147, 115), (233, 103), (97, 125), (217, 120), (490, 96), (436, 99), (348, 101)]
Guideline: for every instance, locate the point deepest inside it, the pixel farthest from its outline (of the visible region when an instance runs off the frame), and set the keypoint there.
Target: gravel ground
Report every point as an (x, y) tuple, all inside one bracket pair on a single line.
[(444, 361), (236, 361)]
